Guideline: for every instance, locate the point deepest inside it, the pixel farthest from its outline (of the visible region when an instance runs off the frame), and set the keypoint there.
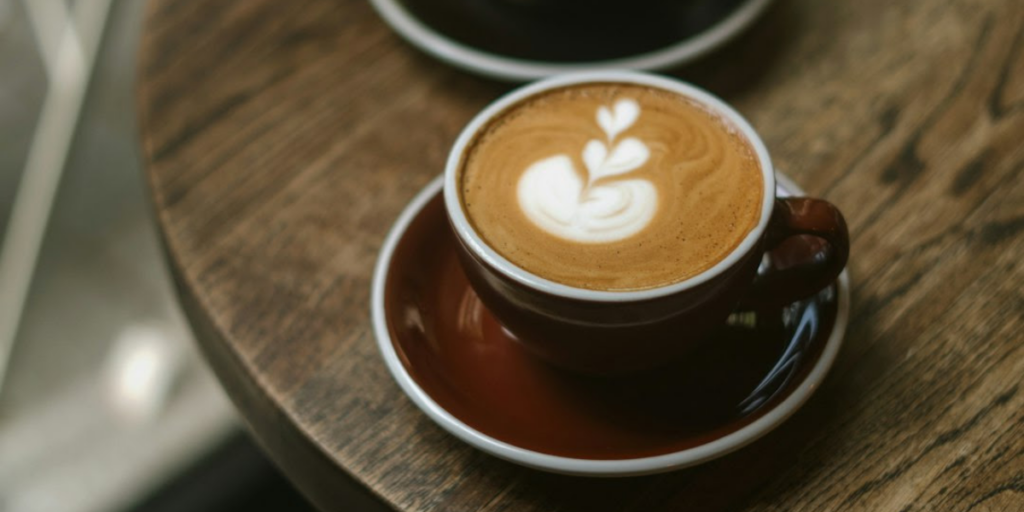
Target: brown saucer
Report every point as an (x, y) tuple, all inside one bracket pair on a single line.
[(466, 364)]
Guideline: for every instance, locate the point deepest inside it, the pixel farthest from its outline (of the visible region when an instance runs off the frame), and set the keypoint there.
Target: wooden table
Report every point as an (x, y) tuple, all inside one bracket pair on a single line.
[(283, 138)]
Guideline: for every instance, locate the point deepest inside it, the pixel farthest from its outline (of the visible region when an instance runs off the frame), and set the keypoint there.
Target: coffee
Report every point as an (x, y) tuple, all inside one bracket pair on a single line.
[(571, 31), (611, 187)]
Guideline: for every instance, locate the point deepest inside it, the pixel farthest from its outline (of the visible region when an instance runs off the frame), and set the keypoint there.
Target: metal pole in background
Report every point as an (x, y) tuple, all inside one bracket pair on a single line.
[(68, 44)]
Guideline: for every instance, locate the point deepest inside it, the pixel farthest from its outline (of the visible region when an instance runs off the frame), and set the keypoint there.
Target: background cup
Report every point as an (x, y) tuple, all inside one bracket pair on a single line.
[(606, 332), (512, 39)]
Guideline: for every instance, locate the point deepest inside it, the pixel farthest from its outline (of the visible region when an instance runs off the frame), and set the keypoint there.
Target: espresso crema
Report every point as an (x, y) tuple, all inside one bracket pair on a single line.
[(611, 187)]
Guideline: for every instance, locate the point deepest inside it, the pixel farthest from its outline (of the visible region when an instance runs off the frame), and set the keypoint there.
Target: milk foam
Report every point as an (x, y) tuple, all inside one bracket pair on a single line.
[(652, 190), (555, 197)]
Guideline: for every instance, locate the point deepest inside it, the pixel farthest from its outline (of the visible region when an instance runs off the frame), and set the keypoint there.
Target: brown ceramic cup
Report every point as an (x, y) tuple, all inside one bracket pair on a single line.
[(606, 332)]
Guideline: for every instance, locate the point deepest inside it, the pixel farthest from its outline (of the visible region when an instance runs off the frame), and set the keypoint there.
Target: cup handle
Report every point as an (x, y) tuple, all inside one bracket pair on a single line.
[(809, 245)]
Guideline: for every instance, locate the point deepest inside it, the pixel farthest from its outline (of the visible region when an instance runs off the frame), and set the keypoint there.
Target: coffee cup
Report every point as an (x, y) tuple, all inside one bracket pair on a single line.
[(610, 220), (519, 40)]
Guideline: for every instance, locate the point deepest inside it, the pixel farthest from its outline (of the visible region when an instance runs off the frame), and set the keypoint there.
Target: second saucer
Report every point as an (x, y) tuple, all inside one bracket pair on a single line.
[(520, 41)]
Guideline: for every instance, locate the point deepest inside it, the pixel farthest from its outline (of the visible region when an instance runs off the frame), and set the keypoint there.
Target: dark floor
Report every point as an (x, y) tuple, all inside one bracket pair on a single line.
[(236, 477)]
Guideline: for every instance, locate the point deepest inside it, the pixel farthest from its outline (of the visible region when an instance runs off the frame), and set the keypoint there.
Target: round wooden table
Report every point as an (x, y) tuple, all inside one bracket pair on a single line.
[(283, 138)]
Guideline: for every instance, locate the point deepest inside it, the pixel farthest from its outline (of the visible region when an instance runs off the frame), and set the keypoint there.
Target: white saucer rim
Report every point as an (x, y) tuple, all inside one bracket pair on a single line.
[(589, 467), (510, 69)]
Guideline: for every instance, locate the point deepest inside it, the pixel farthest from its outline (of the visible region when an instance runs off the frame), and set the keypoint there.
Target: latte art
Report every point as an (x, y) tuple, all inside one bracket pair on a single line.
[(554, 196), (610, 186)]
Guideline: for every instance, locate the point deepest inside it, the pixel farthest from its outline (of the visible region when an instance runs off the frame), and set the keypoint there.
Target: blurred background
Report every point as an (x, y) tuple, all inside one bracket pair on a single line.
[(104, 403)]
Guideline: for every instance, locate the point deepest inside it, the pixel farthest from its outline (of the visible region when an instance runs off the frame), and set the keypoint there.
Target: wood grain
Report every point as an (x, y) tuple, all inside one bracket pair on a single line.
[(283, 138)]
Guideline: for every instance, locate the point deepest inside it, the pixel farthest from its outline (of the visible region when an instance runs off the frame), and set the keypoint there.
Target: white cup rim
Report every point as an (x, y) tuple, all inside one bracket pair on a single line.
[(475, 243), (506, 68)]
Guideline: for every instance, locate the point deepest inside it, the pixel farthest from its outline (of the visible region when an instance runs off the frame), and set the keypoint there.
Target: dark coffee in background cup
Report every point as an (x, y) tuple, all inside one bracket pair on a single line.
[(611, 187), (570, 30)]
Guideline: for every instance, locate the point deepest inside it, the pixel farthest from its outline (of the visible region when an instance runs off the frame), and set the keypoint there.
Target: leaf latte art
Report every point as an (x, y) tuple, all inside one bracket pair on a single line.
[(610, 186), (554, 196)]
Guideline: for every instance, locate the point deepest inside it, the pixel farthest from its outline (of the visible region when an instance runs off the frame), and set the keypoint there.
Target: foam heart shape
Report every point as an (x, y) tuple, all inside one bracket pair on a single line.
[(614, 122), (628, 155), (554, 196)]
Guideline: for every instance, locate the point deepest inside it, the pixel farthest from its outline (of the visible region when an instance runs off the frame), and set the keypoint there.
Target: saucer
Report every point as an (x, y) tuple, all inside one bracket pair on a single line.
[(515, 42), (460, 367)]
